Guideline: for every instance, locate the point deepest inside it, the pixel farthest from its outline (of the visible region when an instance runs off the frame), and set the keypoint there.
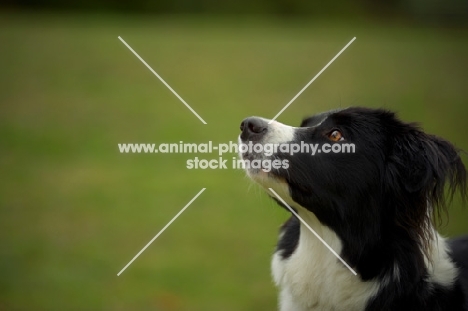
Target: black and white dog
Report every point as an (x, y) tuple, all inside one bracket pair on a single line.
[(374, 207)]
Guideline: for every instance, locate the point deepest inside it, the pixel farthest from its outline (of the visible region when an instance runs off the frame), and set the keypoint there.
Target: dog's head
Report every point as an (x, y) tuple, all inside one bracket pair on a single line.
[(368, 176)]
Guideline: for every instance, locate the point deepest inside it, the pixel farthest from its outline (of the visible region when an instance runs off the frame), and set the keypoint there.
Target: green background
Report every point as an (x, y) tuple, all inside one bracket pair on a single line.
[(74, 211)]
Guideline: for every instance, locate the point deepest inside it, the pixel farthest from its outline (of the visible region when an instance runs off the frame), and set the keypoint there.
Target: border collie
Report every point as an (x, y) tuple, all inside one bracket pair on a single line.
[(375, 208)]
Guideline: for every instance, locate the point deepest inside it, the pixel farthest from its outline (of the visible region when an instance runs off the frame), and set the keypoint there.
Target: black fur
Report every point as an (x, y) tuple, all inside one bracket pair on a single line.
[(379, 201), (288, 242), (459, 254)]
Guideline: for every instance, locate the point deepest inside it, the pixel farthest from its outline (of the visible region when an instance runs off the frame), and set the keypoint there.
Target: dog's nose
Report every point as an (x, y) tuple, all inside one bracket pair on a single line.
[(253, 128)]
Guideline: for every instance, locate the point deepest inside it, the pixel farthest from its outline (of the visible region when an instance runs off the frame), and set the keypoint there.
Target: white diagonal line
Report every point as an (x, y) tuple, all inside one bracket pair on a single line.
[(312, 230), (162, 80), (313, 79), (162, 230)]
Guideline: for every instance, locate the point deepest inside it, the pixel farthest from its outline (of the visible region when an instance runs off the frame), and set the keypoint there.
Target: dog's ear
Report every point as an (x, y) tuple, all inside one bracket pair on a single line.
[(424, 164), (409, 161), (447, 169), (420, 166)]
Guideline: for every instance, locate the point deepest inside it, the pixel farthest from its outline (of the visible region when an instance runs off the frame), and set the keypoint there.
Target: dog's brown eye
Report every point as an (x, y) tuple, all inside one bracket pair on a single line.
[(336, 135)]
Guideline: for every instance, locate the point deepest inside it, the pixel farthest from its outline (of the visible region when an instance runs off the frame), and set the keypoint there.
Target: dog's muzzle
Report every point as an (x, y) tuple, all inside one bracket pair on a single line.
[(253, 129)]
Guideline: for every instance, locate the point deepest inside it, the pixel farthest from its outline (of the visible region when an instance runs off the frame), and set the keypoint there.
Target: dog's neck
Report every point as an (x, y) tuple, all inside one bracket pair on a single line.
[(315, 279), (312, 278)]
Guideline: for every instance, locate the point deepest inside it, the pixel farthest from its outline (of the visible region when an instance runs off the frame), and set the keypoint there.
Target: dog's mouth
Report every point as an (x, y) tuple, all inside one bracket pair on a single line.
[(253, 131), (250, 155), (258, 136), (267, 167), (255, 163), (246, 156)]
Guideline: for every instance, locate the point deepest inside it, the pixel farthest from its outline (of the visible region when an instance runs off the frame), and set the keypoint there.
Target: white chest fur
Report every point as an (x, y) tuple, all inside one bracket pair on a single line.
[(312, 278)]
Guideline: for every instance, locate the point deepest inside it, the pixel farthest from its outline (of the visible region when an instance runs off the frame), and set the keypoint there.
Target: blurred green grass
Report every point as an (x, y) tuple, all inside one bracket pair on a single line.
[(73, 211)]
